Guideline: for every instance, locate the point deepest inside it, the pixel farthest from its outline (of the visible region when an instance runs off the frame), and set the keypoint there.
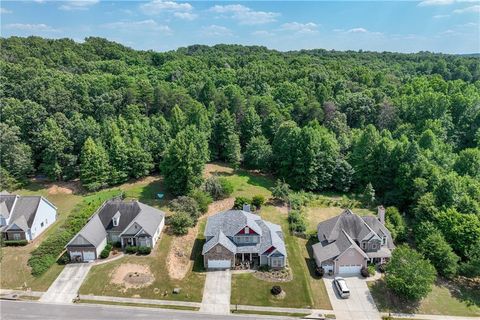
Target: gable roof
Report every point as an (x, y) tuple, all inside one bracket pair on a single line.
[(148, 218), (227, 224), (380, 229), (93, 232)]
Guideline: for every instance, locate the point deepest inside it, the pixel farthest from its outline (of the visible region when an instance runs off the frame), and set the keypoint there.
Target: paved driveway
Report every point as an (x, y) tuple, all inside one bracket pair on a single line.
[(360, 305), (67, 284), (216, 293)]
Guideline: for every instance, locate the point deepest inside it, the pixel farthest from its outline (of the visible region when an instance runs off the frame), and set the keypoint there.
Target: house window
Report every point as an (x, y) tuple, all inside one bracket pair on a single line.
[(247, 239), (374, 246), (41, 224), (364, 245), (247, 230), (384, 240), (16, 236), (218, 249)]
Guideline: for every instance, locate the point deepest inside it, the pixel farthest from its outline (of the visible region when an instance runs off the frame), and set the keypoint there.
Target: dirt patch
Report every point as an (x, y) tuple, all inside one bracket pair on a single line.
[(179, 257), (130, 275), (64, 188), (212, 168)]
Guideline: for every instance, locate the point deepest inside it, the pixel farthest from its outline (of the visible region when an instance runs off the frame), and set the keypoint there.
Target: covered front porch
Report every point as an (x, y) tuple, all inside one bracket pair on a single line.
[(247, 260), (135, 241), (379, 257)]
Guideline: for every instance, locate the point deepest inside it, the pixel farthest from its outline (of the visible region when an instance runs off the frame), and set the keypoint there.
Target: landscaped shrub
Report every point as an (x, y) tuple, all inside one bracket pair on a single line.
[(131, 249), (203, 199), (52, 247), (371, 270), (281, 190), (15, 243), (258, 201), (64, 258), (296, 221), (218, 188), (364, 272), (381, 267), (319, 272), (276, 290), (180, 222), (264, 268), (240, 201), (144, 250), (106, 251)]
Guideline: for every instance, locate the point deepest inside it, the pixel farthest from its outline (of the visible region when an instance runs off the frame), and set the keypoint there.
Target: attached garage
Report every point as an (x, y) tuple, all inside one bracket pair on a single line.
[(349, 269), (82, 254), (219, 264), (87, 245)]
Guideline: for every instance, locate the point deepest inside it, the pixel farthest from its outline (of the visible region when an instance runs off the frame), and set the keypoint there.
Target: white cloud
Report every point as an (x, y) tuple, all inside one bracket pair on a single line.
[(245, 15), (39, 1), (186, 15), (157, 6), (298, 27), (216, 31), (139, 25), (5, 11), (472, 9), (262, 33), (357, 30), (441, 16), (75, 5), (31, 27), (426, 3)]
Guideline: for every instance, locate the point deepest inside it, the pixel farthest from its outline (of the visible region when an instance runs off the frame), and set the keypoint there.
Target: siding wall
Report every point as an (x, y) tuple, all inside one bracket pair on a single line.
[(349, 257), (46, 214), (224, 254)]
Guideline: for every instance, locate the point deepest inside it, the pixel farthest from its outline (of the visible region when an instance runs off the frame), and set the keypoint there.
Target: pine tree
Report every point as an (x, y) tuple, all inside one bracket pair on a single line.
[(250, 126), (178, 120), (94, 166), (140, 160)]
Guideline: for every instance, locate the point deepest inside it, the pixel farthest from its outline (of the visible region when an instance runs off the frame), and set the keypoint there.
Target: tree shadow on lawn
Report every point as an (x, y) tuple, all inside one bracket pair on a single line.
[(196, 255), (310, 261), (388, 301), (463, 289), (148, 194)]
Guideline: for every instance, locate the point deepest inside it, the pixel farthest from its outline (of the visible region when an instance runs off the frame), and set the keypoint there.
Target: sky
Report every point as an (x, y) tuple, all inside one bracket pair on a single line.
[(448, 26)]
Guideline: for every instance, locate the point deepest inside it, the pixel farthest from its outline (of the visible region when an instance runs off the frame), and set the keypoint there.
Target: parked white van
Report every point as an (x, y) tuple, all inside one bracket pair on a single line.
[(342, 288)]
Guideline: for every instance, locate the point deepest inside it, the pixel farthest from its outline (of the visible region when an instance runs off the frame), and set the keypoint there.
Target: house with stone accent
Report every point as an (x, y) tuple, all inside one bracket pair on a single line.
[(348, 242), (125, 223), (24, 217), (237, 237)]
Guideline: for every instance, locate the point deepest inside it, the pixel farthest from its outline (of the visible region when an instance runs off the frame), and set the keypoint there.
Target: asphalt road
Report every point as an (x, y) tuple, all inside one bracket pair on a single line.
[(23, 310)]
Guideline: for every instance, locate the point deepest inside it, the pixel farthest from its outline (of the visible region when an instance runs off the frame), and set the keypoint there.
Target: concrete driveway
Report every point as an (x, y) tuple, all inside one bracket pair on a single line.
[(360, 305), (67, 284), (216, 293)]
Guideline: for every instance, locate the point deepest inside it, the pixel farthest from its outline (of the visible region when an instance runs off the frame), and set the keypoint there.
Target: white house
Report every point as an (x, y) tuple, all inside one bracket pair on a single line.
[(25, 217)]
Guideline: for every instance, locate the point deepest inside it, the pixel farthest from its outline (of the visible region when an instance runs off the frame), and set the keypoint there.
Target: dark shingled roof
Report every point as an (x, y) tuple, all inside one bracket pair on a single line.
[(128, 211)]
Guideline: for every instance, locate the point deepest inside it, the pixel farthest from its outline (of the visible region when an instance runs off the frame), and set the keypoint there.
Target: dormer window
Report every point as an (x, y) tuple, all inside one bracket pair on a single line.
[(384, 240), (116, 219), (247, 230)]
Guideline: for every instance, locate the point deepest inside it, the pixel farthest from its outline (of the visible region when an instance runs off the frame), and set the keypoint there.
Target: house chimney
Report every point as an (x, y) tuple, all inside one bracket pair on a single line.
[(246, 207), (381, 214)]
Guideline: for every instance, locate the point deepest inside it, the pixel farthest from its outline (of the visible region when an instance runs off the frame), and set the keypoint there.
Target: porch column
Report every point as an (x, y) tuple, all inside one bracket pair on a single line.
[(250, 256), (243, 256)]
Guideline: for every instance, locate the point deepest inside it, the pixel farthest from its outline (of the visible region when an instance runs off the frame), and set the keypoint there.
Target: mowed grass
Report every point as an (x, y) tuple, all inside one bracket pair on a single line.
[(303, 291), (439, 301), (99, 279)]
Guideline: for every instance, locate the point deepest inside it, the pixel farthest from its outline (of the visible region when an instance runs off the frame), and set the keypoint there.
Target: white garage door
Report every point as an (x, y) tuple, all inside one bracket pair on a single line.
[(88, 255), (327, 267), (219, 264), (350, 268), (75, 254)]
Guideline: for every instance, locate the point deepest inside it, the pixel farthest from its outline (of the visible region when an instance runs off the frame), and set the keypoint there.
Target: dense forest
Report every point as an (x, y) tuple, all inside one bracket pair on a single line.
[(405, 127)]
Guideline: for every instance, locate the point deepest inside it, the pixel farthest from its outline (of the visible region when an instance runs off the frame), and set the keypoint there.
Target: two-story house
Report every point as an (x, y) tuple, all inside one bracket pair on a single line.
[(24, 217), (127, 223), (347, 242), (236, 236)]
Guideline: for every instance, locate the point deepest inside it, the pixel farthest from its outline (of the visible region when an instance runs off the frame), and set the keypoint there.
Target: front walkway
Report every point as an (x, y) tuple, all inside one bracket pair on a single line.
[(65, 288), (360, 305), (216, 293)]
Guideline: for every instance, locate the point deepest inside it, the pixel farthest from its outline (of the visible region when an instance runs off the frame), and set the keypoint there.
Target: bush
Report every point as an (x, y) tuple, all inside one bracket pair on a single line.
[(240, 201), (371, 270), (281, 191), (64, 258), (381, 267), (364, 272), (296, 221), (258, 201), (276, 290), (187, 205), (131, 249), (203, 199), (218, 188), (319, 272), (15, 243), (264, 268), (105, 253), (144, 250), (180, 222)]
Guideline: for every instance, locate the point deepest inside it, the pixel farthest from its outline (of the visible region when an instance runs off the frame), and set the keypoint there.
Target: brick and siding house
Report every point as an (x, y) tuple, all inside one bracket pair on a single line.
[(238, 237), (126, 223), (25, 217), (348, 242)]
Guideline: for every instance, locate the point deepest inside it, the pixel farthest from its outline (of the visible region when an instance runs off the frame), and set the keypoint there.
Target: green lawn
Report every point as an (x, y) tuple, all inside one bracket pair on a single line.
[(439, 301)]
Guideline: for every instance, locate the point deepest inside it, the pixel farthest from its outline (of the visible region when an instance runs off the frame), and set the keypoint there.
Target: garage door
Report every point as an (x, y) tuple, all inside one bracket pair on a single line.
[(75, 256), (219, 264), (350, 268), (88, 255), (327, 267)]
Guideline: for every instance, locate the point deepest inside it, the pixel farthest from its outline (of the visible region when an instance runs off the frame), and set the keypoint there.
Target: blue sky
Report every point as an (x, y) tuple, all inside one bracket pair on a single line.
[(449, 26)]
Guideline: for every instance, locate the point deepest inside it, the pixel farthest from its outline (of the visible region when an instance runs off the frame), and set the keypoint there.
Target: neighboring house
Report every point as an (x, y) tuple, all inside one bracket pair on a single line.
[(236, 236), (25, 217), (127, 223), (347, 242)]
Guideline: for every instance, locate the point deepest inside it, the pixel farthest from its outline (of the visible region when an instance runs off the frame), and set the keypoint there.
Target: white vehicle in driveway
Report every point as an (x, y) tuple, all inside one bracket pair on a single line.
[(341, 287)]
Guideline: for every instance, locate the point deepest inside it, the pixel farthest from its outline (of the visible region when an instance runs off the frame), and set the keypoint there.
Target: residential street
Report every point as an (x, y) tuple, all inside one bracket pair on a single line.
[(15, 310), (360, 305), (67, 284), (216, 293)]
